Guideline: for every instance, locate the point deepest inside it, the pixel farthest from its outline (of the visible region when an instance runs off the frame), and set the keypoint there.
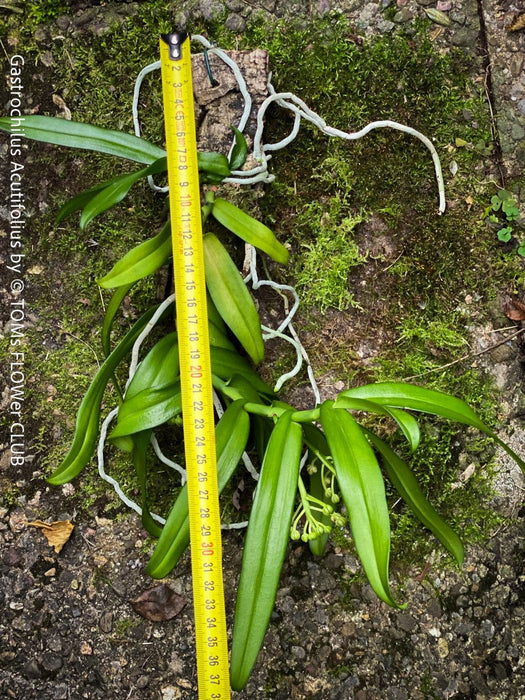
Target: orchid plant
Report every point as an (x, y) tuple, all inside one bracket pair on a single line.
[(316, 464)]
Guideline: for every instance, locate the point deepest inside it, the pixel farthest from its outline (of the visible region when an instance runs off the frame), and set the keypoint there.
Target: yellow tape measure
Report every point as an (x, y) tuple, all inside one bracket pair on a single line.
[(195, 368)]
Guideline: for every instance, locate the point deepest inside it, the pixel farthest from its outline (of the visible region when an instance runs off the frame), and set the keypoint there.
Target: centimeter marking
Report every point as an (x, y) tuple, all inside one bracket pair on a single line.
[(195, 368)]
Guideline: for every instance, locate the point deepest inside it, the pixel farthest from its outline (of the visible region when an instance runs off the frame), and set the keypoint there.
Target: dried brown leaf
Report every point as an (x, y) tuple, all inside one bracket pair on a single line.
[(158, 604), (57, 533), (517, 23), (514, 309)]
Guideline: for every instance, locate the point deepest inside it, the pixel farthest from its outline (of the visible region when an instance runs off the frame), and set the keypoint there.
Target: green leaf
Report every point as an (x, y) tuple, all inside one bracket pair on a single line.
[(249, 229), (231, 436), (239, 151), (141, 261), (219, 339), (226, 364), (363, 490), (260, 426), (140, 447), (505, 234), (148, 409), (416, 398), (496, 202), (510, 209), (409, 426), (88, 416), (265, 546), (231, 297), (62, 132), (116, 190), (153, 395), (406, 485), (79, 201), (113, 307), (214, 316), (406, 422), (160, 367), (215, 164)]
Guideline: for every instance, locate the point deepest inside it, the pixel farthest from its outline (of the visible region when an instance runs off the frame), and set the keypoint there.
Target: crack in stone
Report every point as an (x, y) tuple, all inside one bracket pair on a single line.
[(489, 91)]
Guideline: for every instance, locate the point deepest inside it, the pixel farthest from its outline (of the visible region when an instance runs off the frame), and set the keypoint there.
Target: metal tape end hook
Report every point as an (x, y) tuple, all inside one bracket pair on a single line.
[(175, 42)]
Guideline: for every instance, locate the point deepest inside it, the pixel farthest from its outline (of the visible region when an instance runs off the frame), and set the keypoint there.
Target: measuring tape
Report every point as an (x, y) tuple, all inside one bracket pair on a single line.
[(195, 368)]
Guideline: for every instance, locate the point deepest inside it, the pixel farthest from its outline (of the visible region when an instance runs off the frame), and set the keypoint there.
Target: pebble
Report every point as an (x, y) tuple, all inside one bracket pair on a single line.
[(406, 622), (61, 692), (142, 682), (348, 629), (235, 23), (51, 662), (86, 649), (487, 629), (31, 670), (170, 692), (298, 652), (106, 621), (442, 648)]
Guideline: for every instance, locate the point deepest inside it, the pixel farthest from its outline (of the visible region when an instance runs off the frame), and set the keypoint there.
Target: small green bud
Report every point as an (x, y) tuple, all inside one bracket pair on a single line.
[(338, 519)]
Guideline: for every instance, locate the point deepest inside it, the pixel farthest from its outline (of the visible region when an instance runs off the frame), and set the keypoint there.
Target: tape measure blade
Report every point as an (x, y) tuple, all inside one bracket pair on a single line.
[(195, 369)]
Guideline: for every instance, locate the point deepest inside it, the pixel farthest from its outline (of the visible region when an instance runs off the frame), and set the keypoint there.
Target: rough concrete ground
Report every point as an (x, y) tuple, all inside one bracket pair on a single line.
[(68, 630)]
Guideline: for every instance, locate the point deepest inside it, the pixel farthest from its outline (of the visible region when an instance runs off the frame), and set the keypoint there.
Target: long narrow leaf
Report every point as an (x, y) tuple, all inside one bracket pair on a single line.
[(249, 229), (416, 398), (88, 416), (401, 395), (363, 490), (79, 201), (141, 443), (226, 364), (116, 190), (62, 132), (265, 546), (219, 339), (148, 409), (109, 316), (231, 436), (160, 367), (141, 261), (231, 297), (406, 422), (406, 485)]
